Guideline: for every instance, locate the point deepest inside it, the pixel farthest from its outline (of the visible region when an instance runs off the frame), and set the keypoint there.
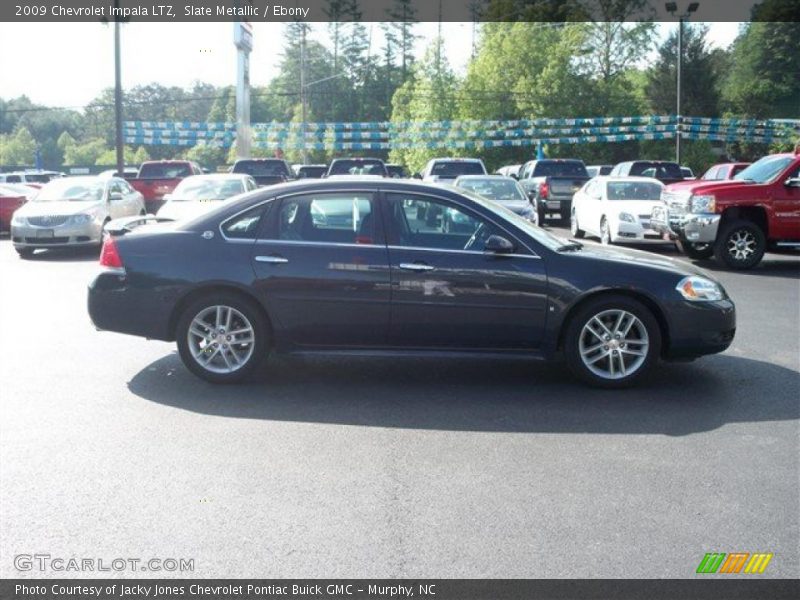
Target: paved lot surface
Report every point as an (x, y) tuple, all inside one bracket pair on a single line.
[(334, 468)]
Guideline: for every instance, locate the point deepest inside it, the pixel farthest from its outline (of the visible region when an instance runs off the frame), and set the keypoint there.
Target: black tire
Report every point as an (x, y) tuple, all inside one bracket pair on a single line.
[(25, 252), (540, 214), (574, 331), (257, 321), (696, 251), (729, 251), (605, 233), (576, 231)]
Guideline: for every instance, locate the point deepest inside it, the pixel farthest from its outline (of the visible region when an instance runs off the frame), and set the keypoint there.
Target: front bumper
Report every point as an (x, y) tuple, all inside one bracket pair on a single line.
[(30, 236), (697, 228), (700, 328), (636, 233)]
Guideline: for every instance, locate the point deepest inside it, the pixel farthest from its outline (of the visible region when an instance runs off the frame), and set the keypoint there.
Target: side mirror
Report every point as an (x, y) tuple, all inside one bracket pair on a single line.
[(793, 182), (417, 176), (497, 244), (115, 196)]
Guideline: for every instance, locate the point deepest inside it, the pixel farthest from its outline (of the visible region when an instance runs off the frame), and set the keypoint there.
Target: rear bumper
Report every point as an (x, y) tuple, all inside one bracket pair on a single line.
[(700, 228), (115, 305)]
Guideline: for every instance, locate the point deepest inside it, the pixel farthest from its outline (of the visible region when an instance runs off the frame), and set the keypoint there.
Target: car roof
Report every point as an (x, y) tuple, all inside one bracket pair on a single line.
[(629, 179), (487, 176), (218, 176), (455, 159)]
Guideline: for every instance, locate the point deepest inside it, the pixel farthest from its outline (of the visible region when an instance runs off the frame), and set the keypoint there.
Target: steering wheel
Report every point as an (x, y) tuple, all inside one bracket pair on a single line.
[(478, 235)]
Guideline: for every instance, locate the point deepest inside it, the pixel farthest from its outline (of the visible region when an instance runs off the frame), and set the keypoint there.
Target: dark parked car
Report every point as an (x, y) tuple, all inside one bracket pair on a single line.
[(311, 171), (666, 172), (357, 166), (266, 171), (344, 266), (550, 184)]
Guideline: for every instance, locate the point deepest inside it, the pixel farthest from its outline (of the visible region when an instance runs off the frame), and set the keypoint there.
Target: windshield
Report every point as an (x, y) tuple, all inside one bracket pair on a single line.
[(71, 189), (633, 190), (537, 233), (262, 168), (206, 188), (766, 169), (164, 170), (499, 190), (658, 170), (452, 169), (560, 168), (357, 167)]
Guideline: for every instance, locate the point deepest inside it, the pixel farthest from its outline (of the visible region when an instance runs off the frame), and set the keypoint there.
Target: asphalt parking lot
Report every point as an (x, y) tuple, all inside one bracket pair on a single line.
[(392, 468)]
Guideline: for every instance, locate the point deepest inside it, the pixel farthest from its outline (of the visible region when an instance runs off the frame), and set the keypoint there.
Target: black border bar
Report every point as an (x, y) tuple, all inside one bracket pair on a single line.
[(735, 587), (383, 10)]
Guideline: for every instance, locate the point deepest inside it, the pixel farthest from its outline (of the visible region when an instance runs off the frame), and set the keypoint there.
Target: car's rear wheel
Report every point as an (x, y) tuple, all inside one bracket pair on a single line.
[(696, 251), (540, 215), (740, 245), (574, 229), (222, 337), (612, 342)]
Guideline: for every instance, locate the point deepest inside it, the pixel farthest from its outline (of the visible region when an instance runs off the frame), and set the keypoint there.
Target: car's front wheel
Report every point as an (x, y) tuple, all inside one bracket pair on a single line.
[(222, 337), (605, 232), (574, 229), (696, 251), (612, 341)]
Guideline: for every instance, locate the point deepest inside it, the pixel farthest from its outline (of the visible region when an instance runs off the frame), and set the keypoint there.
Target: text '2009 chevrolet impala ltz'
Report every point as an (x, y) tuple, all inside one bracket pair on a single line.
[(354, 266)]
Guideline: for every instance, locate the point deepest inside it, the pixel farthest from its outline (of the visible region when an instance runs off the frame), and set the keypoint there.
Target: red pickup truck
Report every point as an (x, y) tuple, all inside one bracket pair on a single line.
[(158, 178), (736, 220)]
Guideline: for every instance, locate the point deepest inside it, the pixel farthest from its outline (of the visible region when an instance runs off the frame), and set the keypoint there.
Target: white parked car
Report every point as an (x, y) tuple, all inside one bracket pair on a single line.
[(71, 211), (616, 209), (198, 194)]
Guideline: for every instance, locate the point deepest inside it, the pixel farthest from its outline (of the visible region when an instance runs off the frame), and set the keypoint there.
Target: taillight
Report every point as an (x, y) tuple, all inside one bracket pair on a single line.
[(544, 190), (109, 256)]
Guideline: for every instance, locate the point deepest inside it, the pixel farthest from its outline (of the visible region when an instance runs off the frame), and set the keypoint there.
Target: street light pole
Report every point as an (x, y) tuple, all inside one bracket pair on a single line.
[(118, 96), (303, 93), (672, 8)]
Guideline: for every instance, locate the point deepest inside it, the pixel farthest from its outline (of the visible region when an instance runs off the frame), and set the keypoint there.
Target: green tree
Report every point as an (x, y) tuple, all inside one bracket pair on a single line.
[(86, 153), (18, 148)]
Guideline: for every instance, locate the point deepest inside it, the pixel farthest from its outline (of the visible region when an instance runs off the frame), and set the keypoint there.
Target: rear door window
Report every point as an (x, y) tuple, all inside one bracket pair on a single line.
[(333, 218)]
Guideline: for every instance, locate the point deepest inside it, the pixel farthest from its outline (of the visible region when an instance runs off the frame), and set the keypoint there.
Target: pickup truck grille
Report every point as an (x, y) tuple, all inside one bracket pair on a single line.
[(677, 202)]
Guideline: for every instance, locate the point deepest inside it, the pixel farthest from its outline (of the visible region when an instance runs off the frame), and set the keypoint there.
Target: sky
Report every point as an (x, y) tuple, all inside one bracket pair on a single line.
[(60, 64)]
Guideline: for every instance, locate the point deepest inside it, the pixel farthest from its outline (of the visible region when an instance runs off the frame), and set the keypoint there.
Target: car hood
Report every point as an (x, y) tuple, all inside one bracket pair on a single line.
[(521, 207), (183, 210), (58, 208), (703, 186), (617, 254), (634, 207)]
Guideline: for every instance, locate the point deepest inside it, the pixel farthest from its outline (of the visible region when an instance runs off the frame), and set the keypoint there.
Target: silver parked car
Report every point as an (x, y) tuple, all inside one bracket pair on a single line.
[(72, 211), (198, 194)]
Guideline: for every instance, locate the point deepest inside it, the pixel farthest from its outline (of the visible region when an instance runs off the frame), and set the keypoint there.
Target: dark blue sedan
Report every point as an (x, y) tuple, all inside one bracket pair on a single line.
[(348, 266)]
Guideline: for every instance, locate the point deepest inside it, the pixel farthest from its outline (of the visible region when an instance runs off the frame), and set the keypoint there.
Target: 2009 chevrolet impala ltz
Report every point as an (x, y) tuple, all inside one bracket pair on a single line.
[(367, 266)]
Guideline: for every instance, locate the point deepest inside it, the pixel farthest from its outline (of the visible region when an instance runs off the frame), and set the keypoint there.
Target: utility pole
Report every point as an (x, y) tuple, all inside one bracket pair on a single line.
[(303, 110), (118, 95), (672, 8), (243, 40)]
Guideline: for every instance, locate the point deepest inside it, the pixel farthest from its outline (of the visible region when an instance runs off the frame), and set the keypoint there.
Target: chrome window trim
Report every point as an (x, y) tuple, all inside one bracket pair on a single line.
[(513, 236), (309, 243), (456, 251)]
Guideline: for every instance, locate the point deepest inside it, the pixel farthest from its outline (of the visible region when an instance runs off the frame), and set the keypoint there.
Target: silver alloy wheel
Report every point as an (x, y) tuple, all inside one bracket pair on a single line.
[(742, 244), (221, 339), (613, 344)]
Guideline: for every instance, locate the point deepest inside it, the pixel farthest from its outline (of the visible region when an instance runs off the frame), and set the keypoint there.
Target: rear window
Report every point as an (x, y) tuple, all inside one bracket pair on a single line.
[(454, 168), (262, 168), (657, 170), (357, 167), (561, 168), (165, 170)]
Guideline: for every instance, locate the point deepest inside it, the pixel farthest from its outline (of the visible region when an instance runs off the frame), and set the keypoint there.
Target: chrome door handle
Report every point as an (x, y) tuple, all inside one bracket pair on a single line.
[(275, 260), (418, 267)]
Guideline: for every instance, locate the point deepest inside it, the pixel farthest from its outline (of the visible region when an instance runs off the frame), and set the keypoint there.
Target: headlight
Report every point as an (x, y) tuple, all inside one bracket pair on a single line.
[(18, 221), (702, 204), (627, 217), (81, 219), (699, 289)]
